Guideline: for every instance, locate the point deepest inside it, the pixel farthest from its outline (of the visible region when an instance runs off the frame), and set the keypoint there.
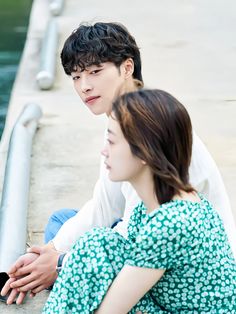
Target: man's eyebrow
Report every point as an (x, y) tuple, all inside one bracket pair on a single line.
[(88, 67)]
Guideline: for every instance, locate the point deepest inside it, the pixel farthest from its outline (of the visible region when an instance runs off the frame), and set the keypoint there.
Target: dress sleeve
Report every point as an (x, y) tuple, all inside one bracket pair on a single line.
[(166, 241)]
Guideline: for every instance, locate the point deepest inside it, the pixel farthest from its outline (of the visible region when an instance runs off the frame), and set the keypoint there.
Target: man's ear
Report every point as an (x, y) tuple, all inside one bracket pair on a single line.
[(128, 67)]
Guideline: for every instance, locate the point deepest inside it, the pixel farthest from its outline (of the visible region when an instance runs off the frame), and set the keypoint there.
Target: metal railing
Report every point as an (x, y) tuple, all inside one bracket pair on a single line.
[(46, 75), (15, 194), (56, 6)]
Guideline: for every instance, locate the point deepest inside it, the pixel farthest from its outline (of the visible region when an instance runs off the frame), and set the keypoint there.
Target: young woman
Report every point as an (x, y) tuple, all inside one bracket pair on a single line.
[(176, 258)]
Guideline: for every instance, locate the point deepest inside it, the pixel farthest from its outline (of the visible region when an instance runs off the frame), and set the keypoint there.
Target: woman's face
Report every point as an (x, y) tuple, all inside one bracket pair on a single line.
[(119, 160)]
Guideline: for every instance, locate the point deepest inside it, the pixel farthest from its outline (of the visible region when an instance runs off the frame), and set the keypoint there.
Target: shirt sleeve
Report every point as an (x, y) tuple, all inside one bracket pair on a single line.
[(206, 179), (106, 206), (165, 242)]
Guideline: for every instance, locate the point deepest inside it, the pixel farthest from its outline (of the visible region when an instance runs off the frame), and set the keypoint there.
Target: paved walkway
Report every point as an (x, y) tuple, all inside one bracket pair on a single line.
[(188, 48)]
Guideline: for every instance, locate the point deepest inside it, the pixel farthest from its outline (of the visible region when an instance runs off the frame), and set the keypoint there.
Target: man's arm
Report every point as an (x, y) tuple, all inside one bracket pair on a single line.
[(130, 285), (106, 206), (206, 178)]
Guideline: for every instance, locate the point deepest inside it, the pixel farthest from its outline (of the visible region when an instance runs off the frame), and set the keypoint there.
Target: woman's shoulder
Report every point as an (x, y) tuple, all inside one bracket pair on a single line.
[(182, 212)]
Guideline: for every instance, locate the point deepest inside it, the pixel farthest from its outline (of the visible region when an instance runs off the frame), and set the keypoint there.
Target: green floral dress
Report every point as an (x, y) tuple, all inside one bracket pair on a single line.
[(185, 238)]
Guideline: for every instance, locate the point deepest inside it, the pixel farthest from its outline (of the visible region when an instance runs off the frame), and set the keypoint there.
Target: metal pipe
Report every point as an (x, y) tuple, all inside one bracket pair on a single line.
[(56, 6), (46, 75), (14, 202)]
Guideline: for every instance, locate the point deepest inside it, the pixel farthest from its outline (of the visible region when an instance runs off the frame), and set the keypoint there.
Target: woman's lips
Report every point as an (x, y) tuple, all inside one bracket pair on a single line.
[(90, 100), (107, 166)]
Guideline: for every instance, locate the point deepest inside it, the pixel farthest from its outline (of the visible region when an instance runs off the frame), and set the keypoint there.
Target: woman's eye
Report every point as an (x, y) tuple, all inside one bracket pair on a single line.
[(109, 142)]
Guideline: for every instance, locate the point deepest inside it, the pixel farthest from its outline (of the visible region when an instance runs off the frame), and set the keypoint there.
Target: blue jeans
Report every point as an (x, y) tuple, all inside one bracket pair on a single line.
[(57, 219)]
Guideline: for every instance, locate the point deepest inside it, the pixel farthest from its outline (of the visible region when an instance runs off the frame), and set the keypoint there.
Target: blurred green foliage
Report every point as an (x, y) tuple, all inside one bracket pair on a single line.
[(13, 23), (14, 19)]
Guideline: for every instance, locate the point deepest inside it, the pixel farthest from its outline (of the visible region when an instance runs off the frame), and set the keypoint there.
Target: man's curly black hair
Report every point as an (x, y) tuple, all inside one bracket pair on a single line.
[(102, 42)]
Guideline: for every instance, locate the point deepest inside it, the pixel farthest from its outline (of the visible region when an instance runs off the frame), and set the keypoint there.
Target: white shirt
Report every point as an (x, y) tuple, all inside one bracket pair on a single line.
[(112, 200)]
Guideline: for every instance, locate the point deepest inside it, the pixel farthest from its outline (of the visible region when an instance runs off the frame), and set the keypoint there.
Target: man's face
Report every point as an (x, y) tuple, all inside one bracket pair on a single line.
[(98, 86), (119, 160)]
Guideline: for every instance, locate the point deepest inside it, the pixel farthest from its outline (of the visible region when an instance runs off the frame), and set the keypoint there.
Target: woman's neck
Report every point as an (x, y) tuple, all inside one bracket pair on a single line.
[(144, 186)]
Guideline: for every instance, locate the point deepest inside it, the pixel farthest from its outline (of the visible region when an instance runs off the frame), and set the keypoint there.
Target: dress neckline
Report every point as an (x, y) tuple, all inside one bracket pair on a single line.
[(178, 201)]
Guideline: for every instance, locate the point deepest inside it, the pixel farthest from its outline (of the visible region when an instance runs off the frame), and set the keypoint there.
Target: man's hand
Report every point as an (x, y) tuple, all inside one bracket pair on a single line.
[(39, 274), (14, 294)]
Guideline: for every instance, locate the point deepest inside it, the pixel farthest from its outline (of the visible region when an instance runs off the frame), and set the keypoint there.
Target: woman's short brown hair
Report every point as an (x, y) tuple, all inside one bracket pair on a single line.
[(158, 129)]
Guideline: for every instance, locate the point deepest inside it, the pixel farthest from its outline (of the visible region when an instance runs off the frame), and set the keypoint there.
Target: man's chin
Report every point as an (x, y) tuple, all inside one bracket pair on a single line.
[(96, 112)]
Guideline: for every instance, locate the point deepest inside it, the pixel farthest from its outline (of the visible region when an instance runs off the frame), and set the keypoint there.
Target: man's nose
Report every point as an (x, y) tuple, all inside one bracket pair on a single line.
[(85, 85)]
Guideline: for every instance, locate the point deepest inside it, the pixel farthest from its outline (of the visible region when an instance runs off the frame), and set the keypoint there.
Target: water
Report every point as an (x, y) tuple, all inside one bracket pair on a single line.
[(14, 18)]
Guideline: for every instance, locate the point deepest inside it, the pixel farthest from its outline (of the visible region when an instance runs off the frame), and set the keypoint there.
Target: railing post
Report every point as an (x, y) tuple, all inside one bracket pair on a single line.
[(46, 75), (56, 6)]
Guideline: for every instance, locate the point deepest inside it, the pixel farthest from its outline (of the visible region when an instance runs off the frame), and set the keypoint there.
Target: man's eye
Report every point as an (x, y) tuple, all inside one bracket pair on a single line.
[(75, 78), (95, 71)]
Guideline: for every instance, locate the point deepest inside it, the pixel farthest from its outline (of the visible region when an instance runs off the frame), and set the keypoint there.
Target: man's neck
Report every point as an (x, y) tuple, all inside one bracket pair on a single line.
[(130, 85)]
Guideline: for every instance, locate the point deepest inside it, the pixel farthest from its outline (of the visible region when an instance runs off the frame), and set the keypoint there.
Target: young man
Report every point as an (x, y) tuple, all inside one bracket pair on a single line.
[(104, 61)]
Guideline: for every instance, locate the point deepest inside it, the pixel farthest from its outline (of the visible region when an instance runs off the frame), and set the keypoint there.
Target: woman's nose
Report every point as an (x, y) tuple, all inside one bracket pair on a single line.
[(104, 151)]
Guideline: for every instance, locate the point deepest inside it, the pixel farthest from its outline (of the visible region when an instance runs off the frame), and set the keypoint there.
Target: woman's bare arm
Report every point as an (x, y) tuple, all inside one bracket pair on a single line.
[(130, 285)]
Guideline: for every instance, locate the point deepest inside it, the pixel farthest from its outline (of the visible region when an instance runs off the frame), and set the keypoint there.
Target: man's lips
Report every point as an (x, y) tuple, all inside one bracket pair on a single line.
[(91, 99)]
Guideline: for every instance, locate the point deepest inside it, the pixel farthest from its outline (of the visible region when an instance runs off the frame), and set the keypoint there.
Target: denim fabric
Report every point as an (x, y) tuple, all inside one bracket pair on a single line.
[(55, 222), (57, 219)]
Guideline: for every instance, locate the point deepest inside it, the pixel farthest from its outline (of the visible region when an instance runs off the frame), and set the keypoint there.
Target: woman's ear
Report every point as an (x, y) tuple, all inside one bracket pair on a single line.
[(143, 162), (128, 66)]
